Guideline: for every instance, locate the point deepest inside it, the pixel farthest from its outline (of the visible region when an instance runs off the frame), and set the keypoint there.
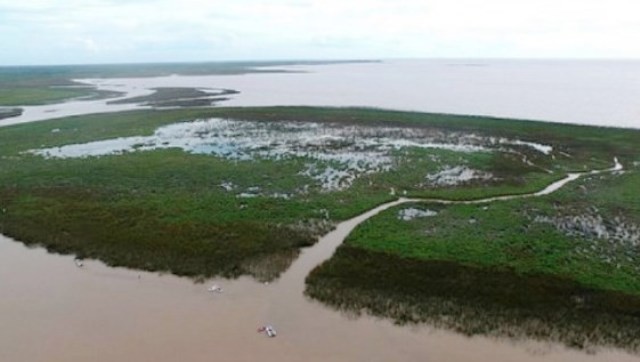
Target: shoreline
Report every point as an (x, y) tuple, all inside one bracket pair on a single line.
[(286, 301), (283, 88)]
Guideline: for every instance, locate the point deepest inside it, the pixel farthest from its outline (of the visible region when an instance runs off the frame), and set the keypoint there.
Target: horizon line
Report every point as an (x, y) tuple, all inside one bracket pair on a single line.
[(296, 61)]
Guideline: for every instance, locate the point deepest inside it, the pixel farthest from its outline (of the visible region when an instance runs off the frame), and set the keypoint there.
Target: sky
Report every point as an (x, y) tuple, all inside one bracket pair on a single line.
[(131, 31)]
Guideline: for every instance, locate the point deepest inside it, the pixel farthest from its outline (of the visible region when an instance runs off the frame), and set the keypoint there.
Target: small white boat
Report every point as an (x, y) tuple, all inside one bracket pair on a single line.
[(268, 330), (78, 262), (215, 289)]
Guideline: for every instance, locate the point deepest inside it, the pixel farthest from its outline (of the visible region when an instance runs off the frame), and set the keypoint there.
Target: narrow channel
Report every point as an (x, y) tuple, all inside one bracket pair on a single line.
[(293, 279), (53, 311)]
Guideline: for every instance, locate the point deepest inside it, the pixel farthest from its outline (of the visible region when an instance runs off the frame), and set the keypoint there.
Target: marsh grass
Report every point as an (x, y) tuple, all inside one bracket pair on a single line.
[(506, 234), (35, 85), (10, 112), (31, 96), (492, 269), (166, 209), (476, 301), (178, 97)]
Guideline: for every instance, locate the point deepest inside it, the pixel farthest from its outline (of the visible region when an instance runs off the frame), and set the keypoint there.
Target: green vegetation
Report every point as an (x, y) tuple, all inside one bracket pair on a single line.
[(48, 95), (564, 267), (9, 112), (202, 215), (166, 210), (59, 75), (507, 234), (476, 300), (34, 85), (162, 210), (179, 97)]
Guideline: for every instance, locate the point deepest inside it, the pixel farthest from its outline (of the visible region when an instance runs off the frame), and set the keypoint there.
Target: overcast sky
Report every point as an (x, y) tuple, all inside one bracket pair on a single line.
[(106, 31)]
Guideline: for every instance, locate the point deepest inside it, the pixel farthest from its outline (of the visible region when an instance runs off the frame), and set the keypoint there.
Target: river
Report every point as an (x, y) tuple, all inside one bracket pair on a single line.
[(54, 311), (602, 93)]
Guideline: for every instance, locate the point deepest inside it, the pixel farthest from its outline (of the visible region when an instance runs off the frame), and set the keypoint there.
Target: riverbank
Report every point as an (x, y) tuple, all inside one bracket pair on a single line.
[(240, 191), (49, 92), (164, 318), (473, 269), (231, 207), (125, 296), (10, 112), (600, 93)]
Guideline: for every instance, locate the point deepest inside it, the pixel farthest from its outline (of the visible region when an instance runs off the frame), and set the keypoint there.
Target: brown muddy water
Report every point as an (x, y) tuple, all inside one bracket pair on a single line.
[(51, 310), (597, 92)]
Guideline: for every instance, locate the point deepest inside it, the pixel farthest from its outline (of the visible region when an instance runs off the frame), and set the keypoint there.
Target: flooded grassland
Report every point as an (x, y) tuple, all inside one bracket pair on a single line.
[(236, 192)]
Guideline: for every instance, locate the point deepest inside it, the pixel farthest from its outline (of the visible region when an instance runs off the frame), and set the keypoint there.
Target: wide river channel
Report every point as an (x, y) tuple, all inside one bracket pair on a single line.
[(53, 311)]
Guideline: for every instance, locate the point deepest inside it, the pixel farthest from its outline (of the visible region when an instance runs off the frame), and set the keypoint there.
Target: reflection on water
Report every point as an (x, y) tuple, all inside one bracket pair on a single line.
[(267, 268)]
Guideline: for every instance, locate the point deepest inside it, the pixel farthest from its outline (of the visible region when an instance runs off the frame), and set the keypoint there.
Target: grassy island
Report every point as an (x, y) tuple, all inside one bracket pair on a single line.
[(232, 191)]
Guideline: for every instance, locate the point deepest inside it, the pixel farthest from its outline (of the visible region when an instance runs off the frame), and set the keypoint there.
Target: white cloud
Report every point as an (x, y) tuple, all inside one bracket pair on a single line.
[(49, 31)]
